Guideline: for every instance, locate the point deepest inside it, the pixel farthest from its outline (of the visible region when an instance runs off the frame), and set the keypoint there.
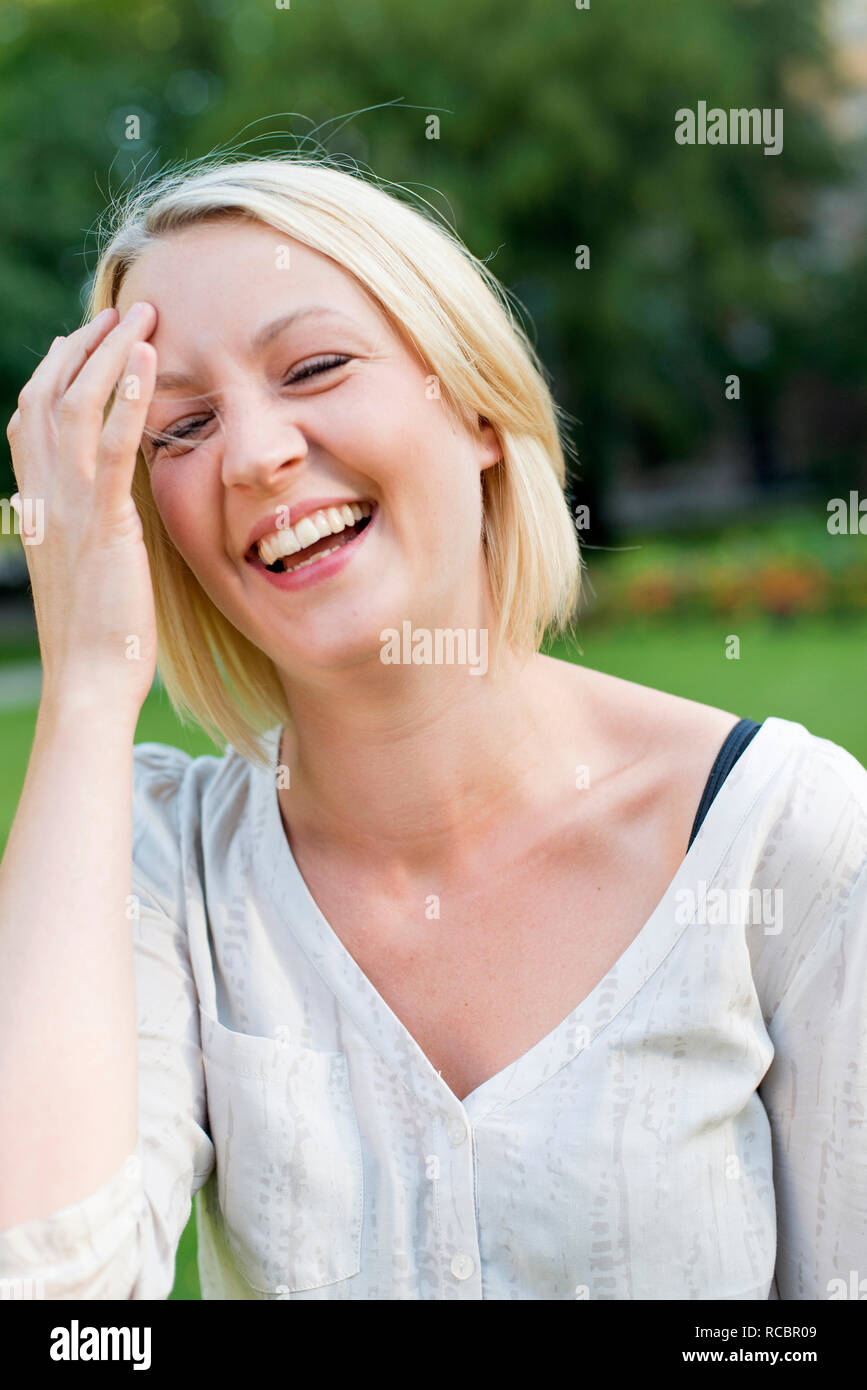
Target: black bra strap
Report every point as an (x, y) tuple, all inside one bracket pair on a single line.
[(741, 735)]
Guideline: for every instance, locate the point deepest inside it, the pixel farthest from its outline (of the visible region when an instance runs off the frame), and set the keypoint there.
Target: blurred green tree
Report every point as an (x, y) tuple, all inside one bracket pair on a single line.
[(556, 131)]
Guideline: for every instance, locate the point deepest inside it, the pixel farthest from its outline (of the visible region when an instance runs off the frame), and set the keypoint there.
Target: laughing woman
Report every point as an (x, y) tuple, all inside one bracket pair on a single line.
[(448, 981)]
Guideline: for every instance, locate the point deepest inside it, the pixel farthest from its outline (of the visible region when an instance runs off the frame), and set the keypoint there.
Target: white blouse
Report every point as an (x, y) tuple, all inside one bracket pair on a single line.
[(696, 1128)]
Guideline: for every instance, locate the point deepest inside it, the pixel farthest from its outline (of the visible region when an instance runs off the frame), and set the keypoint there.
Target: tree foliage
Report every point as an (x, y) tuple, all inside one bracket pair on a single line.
[(556, 130)]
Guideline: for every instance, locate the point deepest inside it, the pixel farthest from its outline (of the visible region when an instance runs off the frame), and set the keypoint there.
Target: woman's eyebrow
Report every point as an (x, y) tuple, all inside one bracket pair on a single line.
[(171, 381), (271, 330)]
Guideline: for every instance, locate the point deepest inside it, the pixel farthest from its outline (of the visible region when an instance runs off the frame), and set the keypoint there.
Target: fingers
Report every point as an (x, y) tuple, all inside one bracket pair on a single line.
[(38, 397), (55, 432), (94, 382), (80, 345), (99, 374), (63, 360), (124, 427), (35, 392), (82, 407)]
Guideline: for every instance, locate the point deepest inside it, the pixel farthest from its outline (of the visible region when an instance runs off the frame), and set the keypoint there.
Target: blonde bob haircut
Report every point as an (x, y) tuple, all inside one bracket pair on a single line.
[(460, 320)]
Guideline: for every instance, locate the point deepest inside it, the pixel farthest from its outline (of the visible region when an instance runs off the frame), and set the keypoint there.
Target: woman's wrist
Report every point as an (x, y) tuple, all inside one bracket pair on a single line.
[(67, 704)]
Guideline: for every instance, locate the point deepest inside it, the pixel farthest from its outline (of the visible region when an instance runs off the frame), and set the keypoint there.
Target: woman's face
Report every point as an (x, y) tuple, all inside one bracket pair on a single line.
[(287, 391)]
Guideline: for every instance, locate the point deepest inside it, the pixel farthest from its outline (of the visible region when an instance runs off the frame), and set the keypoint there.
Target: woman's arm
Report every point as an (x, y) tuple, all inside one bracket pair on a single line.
[(68, 1102), (68, 1092), (119, 1241), (811, 974), (815, 1094)]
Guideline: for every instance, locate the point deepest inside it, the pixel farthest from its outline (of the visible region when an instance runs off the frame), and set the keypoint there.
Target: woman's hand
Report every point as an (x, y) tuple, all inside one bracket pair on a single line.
[(89, 571)]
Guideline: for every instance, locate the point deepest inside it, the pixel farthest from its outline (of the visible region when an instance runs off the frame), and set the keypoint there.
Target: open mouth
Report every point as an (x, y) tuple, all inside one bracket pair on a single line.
[(313, 537)]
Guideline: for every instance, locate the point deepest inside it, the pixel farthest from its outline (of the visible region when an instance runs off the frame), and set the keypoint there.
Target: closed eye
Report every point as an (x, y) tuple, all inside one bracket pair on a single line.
[(181, 432), (188, 429), (325, 364)]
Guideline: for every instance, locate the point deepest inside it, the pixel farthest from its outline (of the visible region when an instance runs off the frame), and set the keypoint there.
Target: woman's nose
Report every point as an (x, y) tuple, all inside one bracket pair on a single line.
[(259, 439)]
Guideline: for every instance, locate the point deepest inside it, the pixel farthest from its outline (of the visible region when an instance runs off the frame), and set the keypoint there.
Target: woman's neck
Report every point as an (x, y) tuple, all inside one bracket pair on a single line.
[(414, 762)]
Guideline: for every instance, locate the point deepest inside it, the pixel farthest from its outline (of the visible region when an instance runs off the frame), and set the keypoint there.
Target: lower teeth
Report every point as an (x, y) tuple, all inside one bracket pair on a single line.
[(312, 560)]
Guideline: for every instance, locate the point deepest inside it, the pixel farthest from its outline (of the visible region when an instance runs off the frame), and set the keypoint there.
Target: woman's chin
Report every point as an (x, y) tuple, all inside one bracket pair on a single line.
[(349, 645)]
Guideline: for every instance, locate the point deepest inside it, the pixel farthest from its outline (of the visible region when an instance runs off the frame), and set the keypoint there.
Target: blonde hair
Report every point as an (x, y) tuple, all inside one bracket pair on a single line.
[(461, 321)]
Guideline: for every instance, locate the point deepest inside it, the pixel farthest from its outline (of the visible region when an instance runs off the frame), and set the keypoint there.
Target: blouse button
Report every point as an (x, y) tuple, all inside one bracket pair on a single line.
[(462, 1266), (457, 1131)]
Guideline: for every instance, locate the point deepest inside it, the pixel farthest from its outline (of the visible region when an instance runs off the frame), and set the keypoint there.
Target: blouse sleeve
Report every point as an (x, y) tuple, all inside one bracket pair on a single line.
[(120, 1242), (811, 970)]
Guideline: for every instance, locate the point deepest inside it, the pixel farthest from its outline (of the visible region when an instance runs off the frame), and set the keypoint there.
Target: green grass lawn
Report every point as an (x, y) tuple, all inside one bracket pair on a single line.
[(811, 670)]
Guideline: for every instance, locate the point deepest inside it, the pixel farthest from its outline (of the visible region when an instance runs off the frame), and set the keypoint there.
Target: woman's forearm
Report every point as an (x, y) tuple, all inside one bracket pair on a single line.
[(68, 1033)]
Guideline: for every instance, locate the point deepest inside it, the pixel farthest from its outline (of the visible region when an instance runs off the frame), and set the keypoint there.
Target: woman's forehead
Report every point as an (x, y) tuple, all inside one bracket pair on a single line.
[(236, 264)]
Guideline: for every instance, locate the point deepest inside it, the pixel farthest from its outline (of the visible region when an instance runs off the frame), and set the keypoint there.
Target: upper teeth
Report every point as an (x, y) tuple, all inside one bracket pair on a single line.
[(310, 529)]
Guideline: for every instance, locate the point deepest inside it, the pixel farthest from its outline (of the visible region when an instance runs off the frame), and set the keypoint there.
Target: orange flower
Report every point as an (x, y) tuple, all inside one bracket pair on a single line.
[(786, 588), (653, 592)]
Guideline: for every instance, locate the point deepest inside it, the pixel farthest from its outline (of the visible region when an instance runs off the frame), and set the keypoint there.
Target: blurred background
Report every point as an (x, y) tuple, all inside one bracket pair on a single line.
[(700, 308)]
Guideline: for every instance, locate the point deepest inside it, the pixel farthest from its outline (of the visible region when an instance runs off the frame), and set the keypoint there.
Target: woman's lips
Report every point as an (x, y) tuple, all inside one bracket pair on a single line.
[(321, 567)]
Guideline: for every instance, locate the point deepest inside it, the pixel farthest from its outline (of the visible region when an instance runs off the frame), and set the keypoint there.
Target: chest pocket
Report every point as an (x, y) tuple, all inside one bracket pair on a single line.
[(288, 1150)]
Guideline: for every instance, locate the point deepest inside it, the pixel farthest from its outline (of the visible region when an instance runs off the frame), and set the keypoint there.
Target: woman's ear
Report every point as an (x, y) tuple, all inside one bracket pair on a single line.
[(491, 449)]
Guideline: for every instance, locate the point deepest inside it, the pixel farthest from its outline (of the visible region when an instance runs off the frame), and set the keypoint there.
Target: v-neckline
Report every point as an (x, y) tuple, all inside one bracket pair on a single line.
[(633, 968)]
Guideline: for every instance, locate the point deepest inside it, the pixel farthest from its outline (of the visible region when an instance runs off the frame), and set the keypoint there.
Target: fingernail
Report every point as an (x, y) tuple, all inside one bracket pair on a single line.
[(136, 311)]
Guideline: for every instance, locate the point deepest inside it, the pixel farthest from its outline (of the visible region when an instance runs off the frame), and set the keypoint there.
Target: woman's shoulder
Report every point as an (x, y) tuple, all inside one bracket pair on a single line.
[(819, 792), (158, 765), (662, 743), (174, 787), (640, 717), (186, 811), (804, 841), (630, 714), (791, 785)]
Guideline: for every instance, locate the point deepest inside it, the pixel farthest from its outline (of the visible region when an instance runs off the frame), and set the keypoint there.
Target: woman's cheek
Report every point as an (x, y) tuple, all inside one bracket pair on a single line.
[(182, 515)]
